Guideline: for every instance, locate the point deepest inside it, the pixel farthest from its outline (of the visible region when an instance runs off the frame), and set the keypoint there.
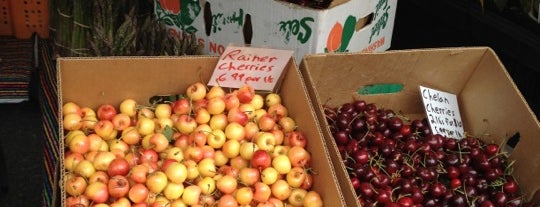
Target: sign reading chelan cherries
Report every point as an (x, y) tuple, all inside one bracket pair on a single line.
[(442, 112), (260, 68)]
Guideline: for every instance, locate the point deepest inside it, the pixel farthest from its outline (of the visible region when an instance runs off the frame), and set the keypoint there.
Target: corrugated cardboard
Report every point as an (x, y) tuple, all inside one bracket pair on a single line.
[(489, 100), (94, 81), (347, 26)]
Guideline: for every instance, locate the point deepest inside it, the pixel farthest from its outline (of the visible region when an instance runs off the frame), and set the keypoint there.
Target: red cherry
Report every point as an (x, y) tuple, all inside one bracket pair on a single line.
[(405, 130), (455, 183), (510, 186), (491, 149), (355, 182), (405, 201), (383, 196), (361, 156)]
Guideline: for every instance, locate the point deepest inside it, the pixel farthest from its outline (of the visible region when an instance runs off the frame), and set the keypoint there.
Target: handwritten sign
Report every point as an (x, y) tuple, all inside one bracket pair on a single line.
[(257, 67), (442, 112)]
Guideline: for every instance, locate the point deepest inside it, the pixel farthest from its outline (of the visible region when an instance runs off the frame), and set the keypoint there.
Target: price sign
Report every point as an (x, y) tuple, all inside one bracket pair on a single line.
[(260, 68), (442, 112)]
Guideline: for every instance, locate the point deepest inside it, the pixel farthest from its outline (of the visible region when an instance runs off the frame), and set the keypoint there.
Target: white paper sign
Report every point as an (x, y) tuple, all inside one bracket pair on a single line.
[(442, 112), (257, 67)]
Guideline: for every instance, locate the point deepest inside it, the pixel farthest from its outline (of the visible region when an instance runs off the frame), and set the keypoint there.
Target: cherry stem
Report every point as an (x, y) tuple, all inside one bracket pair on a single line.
[(402, 195), (504, 154), (378, 163), (509, 168), (423, 161), (441, 169), (122, 135), (331, 111), (402, 116), (201, 79), (350, 170), (218, 83), (407, 159), (352, 159), (90, 120), (363, 137), (310, 171), (392, 193), (190, 107), (459, 153), (499, 182), (465, 193), (147, 107), (354, 118), (209, 132), (327, 117)]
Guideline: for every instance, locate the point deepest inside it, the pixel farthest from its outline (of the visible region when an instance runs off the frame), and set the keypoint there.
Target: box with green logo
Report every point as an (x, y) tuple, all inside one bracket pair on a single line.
[(346, 26), (491, 106)]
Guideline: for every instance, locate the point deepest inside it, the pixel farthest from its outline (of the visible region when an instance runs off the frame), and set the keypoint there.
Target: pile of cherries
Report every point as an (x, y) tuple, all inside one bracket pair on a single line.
[(393, 161)]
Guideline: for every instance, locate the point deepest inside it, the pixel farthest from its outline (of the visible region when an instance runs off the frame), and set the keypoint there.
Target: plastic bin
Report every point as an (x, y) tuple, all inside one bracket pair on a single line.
[(22, 18), (6, 27)]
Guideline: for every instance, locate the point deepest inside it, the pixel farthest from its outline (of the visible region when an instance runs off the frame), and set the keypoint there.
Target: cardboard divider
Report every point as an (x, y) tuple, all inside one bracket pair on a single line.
[(489, 101), (93, 81)]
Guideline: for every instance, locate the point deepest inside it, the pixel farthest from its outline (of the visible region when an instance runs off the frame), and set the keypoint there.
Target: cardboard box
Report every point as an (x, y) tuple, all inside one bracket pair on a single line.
[(346, 26), (93, 81), (483, 87)]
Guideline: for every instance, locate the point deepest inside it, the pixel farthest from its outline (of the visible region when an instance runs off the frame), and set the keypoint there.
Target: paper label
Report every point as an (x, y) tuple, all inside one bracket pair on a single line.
[(442, 112), (260, 68)]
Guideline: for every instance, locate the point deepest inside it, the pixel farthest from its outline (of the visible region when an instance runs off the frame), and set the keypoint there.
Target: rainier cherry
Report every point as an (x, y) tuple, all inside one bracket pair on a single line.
[(210, 147), (106, 112), (246, 93), (261, 159), (196, 91)]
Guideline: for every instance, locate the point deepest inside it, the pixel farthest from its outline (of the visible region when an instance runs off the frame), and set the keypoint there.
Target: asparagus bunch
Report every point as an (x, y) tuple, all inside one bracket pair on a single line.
[(115, 28), (64, 21), (113, 34), (80, 28)]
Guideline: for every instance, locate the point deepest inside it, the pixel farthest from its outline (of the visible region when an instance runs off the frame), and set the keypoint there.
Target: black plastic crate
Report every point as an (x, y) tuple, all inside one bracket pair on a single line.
[(455, 23)]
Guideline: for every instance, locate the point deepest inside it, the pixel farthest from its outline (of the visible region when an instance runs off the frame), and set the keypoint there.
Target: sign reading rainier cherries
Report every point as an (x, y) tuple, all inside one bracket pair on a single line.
[(260, 68), (442, 112)]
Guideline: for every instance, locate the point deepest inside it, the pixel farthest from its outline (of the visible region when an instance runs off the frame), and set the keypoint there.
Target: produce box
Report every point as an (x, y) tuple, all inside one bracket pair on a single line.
[(93, 81), (489, 101), (346, 26)]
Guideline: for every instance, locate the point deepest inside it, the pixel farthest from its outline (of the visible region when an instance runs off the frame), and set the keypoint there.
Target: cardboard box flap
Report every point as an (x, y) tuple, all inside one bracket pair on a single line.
[(489, 101), (295, 102), (428, 68), (491, 104), (128, 73)]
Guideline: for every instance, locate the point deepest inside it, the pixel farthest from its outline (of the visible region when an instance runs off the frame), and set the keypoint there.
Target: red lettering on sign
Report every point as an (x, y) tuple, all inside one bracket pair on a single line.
[(238, 55), (201, 41), (375, 45), (259, 67), (216, 48)]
